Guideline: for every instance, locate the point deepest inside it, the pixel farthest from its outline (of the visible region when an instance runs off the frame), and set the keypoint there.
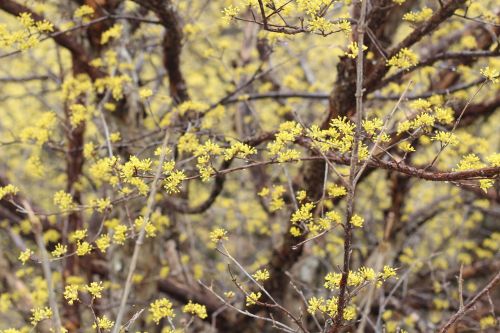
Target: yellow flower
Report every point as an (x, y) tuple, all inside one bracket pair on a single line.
[(161, 308), (335, 190), (490, 74), (404, 59), (83, 11), (78, 235), (145, 93), (64, 201), (8, 190), (446, 138), (95, 289), (357, 221), (406, 147), (120, 234), (229, 13), (103, 242), (420, 16), (71, 293), (332, 280), (114, 32), (487, 322), (115, 137), (217, 235), (493, 160), (195, 309), (320, 24), (39, 314), (83, 248), (349, 313), (261, 275), (316, 304), (295, 232), (353, 50), (174, 180), (303, 214), (59, 250), (253, 298), (388, 272), (101, 204), (25, 255), (103, 323)]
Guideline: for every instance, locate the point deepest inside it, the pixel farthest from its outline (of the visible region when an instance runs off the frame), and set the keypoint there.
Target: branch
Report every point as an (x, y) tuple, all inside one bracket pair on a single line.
[(172, 46), (420, 32), (470, 304), (77, 51)]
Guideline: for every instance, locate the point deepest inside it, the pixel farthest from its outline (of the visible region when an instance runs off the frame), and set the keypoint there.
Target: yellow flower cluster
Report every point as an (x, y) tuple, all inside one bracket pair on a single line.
[(447, 138), (303, 214), (113, 83), (204, 154), (406, 147), (427, 118), (261, 275), (8, 190), (41, 130), (353, 50), (195, 309), (468, 162), (103, 323), (287, 133), (28, 36), (357, 221), (253, 298), (339, 136), (217, 235), (277, 201), (83, 248), (493, 160), (239, 150), (83, 11), (71, 293), (161, 308), (404, 59), (174, 180), (39, 314), (25, 255), (114, 32), (490, 74), (131, 171), (120, 234), (95, 289), (329, 307), (74, 87), (64, 201), (320, 24), (420, 16), (229, 13), (311, 7), (59, 250), (373, 125), (150, 229), (334, 190), (356, 278), (103, 242)]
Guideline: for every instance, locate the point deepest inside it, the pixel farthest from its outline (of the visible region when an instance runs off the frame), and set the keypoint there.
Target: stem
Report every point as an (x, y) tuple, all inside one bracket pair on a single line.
[(37, 228), (461, 312), (337, 321), (140, 239)]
